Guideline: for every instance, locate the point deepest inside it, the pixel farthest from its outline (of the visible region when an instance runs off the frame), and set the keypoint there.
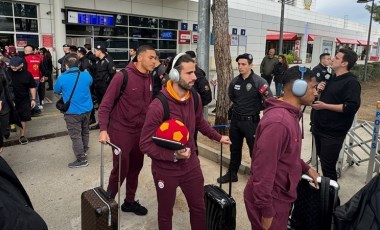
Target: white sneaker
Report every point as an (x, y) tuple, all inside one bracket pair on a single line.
[(40, 107), (42, 102)]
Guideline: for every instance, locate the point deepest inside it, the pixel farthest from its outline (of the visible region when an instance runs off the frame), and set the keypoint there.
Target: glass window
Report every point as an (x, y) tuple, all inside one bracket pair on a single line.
[(167, 44), (121, 31), (111, 42), (27, 39), (6, 9), (121, 20), (6, 24), (167, 53), (168, 34), (120, 64), (168, 24), (78, 30), (119, 54), (103, 31), (26, 25), (138, 42), (142, 33), (143, 22), (24, 10)]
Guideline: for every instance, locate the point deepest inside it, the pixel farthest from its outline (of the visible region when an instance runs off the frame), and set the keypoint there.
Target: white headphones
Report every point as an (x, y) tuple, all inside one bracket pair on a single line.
[(174, 73), (299, 87)]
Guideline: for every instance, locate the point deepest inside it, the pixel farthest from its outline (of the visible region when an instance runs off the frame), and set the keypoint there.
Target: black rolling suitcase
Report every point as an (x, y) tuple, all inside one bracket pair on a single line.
[(220, 206), (98, 210), (314, 207)]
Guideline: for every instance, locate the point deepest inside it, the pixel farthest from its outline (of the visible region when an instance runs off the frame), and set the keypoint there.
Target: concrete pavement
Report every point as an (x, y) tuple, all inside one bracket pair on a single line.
[(55, 189)]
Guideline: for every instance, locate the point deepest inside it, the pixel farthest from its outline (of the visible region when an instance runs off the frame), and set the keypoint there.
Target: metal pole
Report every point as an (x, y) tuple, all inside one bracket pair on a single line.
[(368, 44), (203, 51), (281, 27)]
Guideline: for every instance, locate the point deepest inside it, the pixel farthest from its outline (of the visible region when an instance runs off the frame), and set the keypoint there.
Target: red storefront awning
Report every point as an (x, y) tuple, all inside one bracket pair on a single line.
[(310, 38), (346, 41), (285, 37), (364, 43)]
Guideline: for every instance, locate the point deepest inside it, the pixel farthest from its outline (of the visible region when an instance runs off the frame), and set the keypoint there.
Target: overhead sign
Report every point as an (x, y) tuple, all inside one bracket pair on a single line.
[(195, 27), (184, 26), (184, 37), (84, 18)]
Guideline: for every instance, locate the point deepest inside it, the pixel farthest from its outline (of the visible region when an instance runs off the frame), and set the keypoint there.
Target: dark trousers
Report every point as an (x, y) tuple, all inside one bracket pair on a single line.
[(131, 163), (239, 130), (280, 220), (191, 185), (268, 78), (328, 149), (77, 126)]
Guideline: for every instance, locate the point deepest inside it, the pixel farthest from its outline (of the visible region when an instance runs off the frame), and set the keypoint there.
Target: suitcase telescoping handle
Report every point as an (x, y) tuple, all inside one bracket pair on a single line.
[(117, 151), (221, 160)]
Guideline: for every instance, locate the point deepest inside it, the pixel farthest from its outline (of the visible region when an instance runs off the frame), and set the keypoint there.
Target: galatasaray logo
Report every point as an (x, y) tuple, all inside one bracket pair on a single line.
[(249, 86), (161, 184), (35, 67)]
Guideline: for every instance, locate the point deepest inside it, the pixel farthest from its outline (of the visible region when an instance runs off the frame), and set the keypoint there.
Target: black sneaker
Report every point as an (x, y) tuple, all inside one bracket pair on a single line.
[(226, 178), (134, 207), (78, 164), (23, 140), (94, 127)]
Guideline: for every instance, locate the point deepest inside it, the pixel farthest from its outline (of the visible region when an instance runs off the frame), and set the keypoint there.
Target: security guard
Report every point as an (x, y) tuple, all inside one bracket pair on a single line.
[(247, 92), (322, 70), (105, 70), (66, 50)]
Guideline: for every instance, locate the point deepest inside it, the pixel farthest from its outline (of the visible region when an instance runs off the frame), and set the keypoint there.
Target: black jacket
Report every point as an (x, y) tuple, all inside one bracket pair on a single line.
[(16, 210), (278, 72), (362, 211), (202, 86), (320, 72), (105, 70)]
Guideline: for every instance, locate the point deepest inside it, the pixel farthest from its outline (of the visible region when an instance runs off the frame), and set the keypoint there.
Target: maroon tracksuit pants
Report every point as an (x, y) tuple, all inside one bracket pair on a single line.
[(191, 185), (280, 220), (131, 163)]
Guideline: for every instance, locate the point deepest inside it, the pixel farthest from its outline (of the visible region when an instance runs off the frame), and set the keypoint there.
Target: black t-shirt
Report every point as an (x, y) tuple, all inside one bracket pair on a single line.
[(22, 81)]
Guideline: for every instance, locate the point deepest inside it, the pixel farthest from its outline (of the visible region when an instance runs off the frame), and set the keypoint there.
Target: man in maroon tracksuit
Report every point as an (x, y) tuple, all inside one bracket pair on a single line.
[(121, 121), (181, 168), (276, 163)]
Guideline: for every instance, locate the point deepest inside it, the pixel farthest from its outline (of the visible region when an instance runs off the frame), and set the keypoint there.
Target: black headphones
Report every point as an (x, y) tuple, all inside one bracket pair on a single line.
[(299, 87)]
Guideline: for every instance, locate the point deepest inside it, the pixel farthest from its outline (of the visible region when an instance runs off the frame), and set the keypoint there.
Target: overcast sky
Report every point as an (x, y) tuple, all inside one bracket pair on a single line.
[(349, 9)]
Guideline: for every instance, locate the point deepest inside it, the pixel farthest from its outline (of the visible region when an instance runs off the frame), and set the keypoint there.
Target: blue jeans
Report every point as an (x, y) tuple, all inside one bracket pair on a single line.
[(279, 87)]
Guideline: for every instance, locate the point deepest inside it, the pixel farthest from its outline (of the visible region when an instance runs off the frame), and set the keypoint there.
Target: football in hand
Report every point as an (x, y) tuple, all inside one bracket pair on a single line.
[(173, 130)]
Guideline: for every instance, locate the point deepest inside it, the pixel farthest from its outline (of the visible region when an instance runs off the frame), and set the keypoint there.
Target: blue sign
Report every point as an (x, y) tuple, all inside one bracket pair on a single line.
[(242, 32), (195, 27), (84, 18), (167, 34), (234, 31), (184, 26)]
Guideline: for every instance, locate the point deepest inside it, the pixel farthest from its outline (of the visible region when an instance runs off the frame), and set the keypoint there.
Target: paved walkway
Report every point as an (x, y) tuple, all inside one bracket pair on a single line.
[(55, 189)]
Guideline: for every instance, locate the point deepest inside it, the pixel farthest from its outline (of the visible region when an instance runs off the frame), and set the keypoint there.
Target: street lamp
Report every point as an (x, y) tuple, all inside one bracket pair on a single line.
[(369, 37)]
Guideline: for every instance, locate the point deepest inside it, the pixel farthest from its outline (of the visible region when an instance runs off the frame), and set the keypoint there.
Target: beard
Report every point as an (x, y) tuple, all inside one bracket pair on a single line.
[(182, 84)]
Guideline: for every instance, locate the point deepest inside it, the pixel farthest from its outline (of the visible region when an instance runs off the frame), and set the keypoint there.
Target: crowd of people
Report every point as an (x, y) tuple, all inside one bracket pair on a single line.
[(129, 108)]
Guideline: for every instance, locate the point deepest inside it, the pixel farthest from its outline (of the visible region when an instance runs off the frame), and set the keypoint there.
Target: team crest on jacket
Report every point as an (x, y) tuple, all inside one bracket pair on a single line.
[(248, 86), (161, 184)]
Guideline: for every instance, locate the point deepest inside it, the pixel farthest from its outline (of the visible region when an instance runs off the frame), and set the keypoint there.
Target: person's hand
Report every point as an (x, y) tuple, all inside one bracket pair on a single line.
[(266, 222), (1, 105), (32, 104), (42, 79), (318, 105), (183, 153), (321, 86), (103, 137), (225, 140), (314, 175)]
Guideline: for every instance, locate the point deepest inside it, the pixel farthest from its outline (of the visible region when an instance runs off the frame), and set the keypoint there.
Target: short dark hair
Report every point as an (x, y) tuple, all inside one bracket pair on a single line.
[(294, 73), (87, 46), (72, 60), (191, 54), (349, 56), (143, 49), (245, 56), (184, 58), (323, 55)]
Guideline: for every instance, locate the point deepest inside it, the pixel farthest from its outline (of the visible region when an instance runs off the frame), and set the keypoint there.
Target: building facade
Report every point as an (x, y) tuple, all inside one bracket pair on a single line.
[(123, 24)]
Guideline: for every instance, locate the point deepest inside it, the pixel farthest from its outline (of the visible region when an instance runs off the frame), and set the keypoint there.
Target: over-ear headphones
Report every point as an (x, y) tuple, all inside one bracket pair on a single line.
[(174, 73), (299, 87)]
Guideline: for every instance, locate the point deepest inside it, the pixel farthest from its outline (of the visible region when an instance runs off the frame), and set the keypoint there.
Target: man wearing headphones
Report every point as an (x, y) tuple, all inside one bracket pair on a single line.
[(276, 165), (181, 168), (121, 119), (335, 111), (247, 92)]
